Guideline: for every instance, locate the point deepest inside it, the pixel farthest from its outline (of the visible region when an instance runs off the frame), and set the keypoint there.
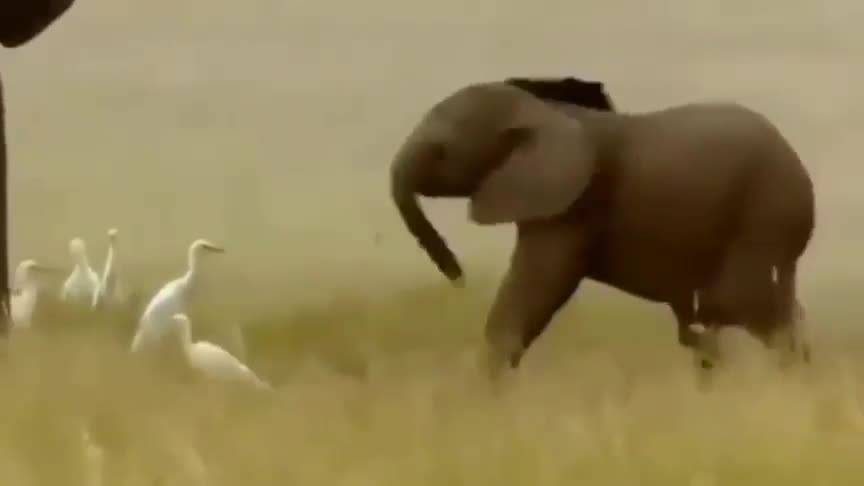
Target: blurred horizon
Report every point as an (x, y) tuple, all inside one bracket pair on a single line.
[(269, 127)]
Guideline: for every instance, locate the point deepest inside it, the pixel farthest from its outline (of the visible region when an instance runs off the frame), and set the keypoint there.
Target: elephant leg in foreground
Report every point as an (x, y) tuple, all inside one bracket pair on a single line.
[(545, 270)]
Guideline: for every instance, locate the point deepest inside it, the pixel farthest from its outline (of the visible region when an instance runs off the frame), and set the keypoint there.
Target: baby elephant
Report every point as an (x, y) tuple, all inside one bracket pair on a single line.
[(704, 198)]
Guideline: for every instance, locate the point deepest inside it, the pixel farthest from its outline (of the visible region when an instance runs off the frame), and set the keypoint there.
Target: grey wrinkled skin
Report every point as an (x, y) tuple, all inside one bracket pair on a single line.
[(20, 22), (704, 199)]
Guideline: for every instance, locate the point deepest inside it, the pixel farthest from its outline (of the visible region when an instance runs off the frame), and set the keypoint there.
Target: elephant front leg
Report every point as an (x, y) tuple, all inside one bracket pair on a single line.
[(545, 270), (698, 337)]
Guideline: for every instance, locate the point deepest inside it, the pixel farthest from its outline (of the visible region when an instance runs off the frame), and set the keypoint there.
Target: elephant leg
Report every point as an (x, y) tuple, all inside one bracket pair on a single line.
[(742, 291), (791, 319), (685, 316), (707, 349), (694, 335), (786, 333), (545, 270), (788, 342), (780, 340), (752, 292), (801, 325), (786, 338)]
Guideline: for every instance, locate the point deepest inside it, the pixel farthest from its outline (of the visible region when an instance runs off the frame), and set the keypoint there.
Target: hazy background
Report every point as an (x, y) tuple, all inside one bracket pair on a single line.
[(268, 126)]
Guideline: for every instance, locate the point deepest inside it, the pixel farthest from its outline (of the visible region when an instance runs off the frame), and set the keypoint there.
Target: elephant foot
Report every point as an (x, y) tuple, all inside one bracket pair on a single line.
[(705, 369), (792, 348), (805, 354), (499, 361), (706, 346), (792, 358), (706, 353), (496, 381), (802, 348)]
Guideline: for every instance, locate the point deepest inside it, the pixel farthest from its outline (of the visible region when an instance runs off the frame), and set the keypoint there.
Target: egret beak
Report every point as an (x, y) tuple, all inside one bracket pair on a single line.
[(213, 248)]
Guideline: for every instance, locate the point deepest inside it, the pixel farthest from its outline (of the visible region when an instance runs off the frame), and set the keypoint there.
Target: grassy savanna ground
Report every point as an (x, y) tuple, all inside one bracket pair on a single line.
[(269, 131)]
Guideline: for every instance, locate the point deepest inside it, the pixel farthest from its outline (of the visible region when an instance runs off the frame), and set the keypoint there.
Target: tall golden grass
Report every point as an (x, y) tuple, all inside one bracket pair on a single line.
[(384, 391)]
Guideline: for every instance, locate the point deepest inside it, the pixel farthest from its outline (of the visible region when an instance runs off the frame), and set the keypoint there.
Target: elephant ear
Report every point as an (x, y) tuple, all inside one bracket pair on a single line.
[(549, 166)]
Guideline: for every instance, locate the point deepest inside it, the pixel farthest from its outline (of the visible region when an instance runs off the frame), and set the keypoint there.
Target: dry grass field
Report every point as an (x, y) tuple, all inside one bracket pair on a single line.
[(267, 126)]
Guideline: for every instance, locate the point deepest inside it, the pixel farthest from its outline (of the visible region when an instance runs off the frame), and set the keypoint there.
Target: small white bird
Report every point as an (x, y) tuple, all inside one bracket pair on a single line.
[(109, 291), (171, 299), (83, 282), (213, 361), (26, 291)]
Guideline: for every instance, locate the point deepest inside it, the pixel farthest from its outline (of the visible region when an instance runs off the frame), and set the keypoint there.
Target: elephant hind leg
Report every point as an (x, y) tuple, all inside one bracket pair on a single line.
[(545, 270), (754, 292), (742, 291), (793, 315), (787, 334)]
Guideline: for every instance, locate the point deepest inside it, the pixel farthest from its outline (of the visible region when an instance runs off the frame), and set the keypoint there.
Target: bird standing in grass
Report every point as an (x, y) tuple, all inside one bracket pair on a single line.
[(171, 299), (83, 282), (26, 292), (108, 292), (212, 360)]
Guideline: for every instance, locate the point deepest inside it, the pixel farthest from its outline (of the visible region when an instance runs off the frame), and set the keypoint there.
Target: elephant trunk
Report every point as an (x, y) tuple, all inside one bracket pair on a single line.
[(403, 189)]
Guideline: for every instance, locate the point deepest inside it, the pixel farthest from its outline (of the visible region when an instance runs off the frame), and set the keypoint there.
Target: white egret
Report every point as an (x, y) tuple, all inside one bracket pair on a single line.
[(171, 299), (109, 290), (83, 282), (212, 360), (25, 292)]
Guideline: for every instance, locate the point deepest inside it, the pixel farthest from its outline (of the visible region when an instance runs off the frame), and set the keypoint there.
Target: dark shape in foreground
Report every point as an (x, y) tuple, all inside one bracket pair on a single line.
[(20, 22)]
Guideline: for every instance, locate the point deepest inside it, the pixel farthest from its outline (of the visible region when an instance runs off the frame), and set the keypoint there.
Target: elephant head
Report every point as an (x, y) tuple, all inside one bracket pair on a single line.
[(516, 157), (22, 20)]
